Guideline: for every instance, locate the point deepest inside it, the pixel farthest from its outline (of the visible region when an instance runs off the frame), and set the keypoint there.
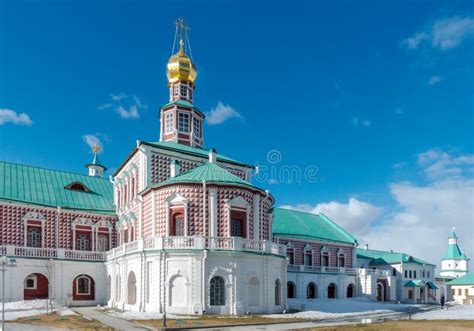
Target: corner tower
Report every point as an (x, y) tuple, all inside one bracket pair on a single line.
[(180, 121), (454, 262)]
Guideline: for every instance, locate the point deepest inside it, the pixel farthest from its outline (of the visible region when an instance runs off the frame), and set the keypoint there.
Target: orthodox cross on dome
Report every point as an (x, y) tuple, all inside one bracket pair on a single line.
[(183, 29)]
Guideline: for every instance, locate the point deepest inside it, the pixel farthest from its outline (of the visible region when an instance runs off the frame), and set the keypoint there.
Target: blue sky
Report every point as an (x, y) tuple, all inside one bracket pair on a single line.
[(359, 90)]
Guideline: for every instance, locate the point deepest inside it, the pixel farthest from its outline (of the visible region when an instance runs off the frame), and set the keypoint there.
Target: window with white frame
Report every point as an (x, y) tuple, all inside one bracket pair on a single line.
[(184, 91), (217, 291), (33, 237), (341, 259), (197, 126), (308, 256), (324, 257), (103, 242), (83, 285), (175, 90), (83, 242), (30, 282), (183, 122), (169, 122)]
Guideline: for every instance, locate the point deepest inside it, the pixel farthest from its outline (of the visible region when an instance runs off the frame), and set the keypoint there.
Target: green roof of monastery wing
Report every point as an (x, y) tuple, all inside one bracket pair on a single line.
[(454, 253), (467, 279), (301, 225), (196, 151), (46, 187), (209, 172), (384, 257)]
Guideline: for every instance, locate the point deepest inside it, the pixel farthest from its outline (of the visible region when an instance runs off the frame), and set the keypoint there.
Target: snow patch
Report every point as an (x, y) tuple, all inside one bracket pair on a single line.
[(137, 315), (458, 312)]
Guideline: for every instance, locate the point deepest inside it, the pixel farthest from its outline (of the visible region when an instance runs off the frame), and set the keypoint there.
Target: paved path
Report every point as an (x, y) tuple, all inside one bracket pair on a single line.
[(28, 327), (108, 320)]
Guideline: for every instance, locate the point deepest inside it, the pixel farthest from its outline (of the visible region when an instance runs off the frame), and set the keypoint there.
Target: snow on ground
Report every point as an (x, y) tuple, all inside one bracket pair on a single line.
[(139, 315), (457, 312), (28, 308), (333, 308)]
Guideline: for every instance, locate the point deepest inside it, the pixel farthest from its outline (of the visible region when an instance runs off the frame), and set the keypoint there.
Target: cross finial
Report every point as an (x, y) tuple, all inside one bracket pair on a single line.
[(183, 29), (96, 148)]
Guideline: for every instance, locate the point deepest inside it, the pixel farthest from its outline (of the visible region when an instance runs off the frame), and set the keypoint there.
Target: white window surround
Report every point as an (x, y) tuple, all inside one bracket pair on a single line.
[(173, 201), (169, 121), (33, 216), (94, 230), (88, 285), (184, 122), (35, 282), (238, 204), (197, 126)]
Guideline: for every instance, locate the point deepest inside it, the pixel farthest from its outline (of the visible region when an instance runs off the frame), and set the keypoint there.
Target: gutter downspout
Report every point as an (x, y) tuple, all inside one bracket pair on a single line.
[(203, 267)]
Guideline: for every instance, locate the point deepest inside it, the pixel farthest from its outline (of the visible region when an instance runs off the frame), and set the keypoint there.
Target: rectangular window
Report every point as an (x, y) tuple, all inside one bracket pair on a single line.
[(406, 273), (83, 242), (169, 122), (290, 255), (83, 286), (410, 274), (325, 260), (414, 274), (236, 227), (459, 292), (33, 238), (428, 274), (341, 261), (183, 122), (423, 274), (308, 258), (184, 91), (103, 242), (197, 127), (176, 90)]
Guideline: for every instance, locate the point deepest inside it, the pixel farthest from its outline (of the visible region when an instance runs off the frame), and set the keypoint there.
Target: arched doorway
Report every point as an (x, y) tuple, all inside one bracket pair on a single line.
[(350, 291), (291, 290), (380, 292), (311, 291), (83, 288), (178, 289), (35, 286), (277, 292), (254, 291), (332, 291), (132, 288)]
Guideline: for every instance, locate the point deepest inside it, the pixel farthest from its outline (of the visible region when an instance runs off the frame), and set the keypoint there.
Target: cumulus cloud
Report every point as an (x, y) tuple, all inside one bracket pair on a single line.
[(127, 106), (434, 80), (420, 220), (444, 34), (356, 121), (10, 116), (221, 113)]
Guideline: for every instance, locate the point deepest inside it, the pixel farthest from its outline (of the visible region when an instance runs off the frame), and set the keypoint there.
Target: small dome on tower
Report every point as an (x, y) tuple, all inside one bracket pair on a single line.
[(180, 67)]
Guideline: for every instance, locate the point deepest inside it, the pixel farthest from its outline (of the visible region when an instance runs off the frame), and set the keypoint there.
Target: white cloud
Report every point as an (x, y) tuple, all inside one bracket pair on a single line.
[(10, 116), (126, 106), (221, 113), (354, 216), (95, 139), (420, 221), (413, 42), (434, 80), (444, 34), (360, 122)]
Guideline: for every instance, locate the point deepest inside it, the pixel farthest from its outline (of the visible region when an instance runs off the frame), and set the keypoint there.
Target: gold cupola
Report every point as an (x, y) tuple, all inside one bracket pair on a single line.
[(180, 67)]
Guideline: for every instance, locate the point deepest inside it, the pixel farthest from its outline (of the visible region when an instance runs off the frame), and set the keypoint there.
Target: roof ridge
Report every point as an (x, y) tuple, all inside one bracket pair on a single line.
[(55, 170), (379, 250), (338, 227)]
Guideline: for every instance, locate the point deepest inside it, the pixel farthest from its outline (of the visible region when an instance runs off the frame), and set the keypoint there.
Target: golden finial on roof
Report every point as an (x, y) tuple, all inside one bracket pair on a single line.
[(180, 67), (96, 148)]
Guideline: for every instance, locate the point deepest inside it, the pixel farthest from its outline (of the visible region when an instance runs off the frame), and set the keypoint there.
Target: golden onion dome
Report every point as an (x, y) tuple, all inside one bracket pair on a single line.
[(180, 67)]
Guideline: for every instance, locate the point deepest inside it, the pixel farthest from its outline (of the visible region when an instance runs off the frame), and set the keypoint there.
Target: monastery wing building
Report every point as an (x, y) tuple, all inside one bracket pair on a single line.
[(178, 229)]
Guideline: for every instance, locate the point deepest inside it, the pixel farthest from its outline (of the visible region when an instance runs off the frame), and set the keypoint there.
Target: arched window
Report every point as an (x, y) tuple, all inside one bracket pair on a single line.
[(254, 291), (35, 286), (277, 292), (332, 291), (76, 186), (311, 291), (83, 285), (350, 291), (132, 288), (83, 288), (291, 289), (217, 291), (33, 237)]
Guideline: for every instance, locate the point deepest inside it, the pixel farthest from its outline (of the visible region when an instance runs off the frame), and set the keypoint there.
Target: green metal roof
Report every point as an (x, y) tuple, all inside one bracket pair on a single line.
[(431, 285), (209, 172), (467, 279), (297, 224), (196, 151), (384, 257), (454, 253), (180, 103), (415, 283), (46, 187)]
